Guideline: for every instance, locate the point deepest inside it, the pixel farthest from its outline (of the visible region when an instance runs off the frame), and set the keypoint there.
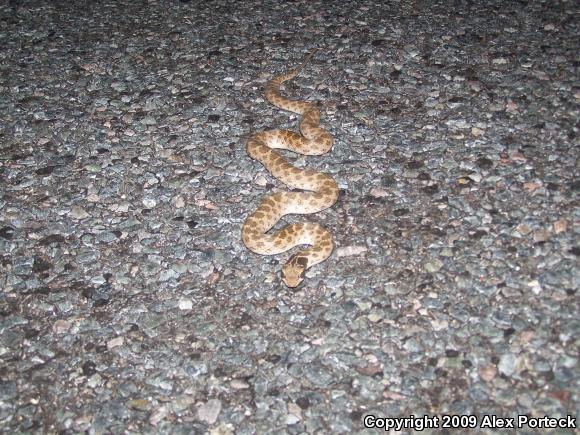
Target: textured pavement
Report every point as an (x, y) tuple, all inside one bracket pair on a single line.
[(128, 303)]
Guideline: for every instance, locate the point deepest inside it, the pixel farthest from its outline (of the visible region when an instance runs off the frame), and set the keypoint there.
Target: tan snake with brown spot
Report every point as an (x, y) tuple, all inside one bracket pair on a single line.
[(322, 189)]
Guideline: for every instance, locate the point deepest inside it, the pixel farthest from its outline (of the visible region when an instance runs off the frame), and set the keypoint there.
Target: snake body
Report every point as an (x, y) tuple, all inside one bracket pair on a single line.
[(321, 189)]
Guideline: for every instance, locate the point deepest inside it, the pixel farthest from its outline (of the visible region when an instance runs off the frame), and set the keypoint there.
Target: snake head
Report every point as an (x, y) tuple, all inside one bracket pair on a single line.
[(294, 270)]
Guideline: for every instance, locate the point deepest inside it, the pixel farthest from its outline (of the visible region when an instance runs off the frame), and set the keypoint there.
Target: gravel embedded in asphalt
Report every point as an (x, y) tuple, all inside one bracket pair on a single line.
[(129, 304)]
